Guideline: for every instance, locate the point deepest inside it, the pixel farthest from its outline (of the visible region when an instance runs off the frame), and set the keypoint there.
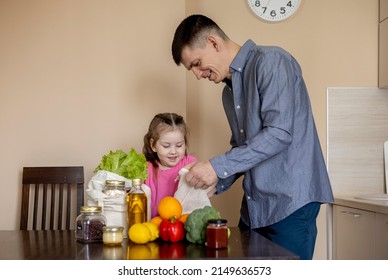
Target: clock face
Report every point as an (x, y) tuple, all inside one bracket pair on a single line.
[(274, 10)]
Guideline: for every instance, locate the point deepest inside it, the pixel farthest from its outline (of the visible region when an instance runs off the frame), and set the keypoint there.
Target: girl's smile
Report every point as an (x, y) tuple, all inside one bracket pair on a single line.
[(170, 147)]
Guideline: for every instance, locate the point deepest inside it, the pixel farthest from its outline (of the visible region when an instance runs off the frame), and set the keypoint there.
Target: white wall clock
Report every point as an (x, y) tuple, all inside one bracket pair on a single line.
[(274, 10)]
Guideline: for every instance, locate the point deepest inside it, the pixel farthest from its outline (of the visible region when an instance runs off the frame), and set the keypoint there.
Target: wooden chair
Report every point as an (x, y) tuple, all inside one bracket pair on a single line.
[(57, 194)]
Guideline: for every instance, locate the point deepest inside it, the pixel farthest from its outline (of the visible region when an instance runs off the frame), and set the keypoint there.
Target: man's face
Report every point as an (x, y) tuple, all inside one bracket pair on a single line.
[(204, 62)]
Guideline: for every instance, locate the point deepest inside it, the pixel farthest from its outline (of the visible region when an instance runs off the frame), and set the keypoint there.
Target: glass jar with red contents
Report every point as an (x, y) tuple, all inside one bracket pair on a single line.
[(217, 234)]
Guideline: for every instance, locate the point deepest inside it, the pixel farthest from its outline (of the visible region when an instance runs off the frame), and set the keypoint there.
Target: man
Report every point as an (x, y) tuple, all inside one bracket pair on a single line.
[(274, 139)]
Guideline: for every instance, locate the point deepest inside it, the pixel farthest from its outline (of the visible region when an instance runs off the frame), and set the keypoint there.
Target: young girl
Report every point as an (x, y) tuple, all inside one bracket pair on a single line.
[(165, 148)]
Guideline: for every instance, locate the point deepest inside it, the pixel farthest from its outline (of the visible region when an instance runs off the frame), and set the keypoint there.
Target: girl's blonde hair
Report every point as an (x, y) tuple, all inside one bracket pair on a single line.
[(160, 123)]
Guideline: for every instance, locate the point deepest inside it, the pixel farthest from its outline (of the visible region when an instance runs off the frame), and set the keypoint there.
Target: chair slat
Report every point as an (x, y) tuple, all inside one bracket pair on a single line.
[(55, 212), (52, 206), (25, 206), (44, 210), (36, 203), (60, 206), (68, 205)]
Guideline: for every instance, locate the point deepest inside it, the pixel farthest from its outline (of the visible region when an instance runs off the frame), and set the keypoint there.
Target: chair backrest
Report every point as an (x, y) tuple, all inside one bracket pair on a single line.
[(57, 194)]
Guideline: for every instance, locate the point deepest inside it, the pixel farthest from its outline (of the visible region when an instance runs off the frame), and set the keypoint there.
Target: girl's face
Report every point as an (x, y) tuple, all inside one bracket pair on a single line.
[(170, 147)]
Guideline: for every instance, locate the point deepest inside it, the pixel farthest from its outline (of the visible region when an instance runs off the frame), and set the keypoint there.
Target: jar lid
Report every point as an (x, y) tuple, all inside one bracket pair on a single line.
[(115, 183), (217, 221), (137, 182), (112, 228), (93, 209)]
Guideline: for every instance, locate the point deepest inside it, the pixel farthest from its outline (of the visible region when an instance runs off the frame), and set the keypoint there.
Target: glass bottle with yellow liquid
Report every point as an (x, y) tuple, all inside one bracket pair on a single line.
[(137, 204)]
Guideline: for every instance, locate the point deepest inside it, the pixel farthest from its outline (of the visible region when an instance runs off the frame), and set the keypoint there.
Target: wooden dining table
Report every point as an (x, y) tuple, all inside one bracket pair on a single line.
[(62, 245)]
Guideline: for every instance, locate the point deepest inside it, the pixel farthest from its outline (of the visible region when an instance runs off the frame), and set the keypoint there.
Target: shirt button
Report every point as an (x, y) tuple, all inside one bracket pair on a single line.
[(248, 197), (241, 130), (239, 69), (238, 107), (225, 173)]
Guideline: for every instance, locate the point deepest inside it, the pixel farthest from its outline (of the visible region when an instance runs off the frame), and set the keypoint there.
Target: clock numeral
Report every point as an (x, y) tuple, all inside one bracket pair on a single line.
[(273, 11)]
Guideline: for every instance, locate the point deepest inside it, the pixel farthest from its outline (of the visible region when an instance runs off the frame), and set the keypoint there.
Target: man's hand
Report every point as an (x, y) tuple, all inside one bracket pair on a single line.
[(202, 175), (211, 190)]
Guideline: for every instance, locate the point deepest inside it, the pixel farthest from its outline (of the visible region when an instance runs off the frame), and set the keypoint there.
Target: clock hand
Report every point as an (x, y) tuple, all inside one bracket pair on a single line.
[(266, 6)]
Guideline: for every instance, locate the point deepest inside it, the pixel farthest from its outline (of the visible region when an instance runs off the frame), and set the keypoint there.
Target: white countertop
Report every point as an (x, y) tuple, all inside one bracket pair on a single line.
[(379, 206)]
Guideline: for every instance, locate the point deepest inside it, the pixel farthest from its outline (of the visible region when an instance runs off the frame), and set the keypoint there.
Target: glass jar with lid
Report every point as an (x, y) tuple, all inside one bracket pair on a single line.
[(89, 224), (217, 234), (114, 188), (112, 235)]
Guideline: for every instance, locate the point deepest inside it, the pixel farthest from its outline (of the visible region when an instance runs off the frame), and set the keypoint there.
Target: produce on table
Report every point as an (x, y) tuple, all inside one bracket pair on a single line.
[(171, 227), (169, 207), (154, 229), (172, 230), (141, 233), (130, 166), (183, 218), (196, 223), (156, 220)]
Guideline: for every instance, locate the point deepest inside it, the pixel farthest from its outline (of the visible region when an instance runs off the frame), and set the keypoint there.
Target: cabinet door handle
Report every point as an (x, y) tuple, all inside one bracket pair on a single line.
[(354, 214)]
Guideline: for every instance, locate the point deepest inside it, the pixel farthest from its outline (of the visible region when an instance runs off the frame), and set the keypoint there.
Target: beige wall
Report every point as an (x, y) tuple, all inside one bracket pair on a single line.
[(79, 78), (89, 75)]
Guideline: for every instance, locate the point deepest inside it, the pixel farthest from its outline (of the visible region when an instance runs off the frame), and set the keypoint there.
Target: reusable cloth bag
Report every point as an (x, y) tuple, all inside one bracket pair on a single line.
[(114, 208), (191, 198)]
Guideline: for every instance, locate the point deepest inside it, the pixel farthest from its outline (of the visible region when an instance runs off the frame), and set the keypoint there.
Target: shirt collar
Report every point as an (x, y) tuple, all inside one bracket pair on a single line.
[(239, 61)]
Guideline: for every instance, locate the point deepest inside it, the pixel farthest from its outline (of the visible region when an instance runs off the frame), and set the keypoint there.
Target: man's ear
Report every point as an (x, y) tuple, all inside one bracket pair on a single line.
[(213, 41)]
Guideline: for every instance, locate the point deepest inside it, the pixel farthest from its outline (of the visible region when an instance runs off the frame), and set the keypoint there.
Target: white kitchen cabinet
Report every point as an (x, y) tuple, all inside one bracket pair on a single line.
[(353, 233), (381, 237), (359, 234)]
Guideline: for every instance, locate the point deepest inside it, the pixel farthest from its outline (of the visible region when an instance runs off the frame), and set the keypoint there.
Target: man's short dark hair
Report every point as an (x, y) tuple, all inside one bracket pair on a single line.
[(189, 31)]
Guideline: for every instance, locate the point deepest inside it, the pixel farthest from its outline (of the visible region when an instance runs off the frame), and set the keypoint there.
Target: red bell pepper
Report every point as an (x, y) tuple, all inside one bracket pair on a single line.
[(172, 230)]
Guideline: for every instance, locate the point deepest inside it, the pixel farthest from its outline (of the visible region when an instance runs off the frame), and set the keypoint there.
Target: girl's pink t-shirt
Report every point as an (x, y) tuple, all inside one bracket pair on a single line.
[(165, 182)]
